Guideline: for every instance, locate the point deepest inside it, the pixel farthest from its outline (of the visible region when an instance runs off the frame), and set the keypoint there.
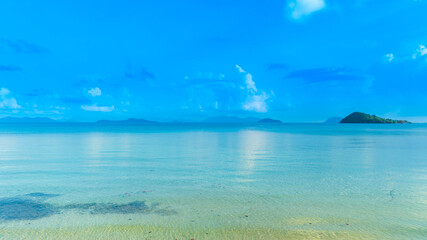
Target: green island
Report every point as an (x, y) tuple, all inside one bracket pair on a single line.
[(359, 117)]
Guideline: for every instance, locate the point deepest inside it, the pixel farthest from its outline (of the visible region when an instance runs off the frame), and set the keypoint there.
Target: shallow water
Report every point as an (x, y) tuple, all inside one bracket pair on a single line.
[(219, 181)]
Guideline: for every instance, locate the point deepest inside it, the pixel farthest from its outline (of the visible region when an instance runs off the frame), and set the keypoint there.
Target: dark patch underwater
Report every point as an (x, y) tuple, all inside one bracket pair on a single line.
[(126, 208), (32, 206), (21, 208)]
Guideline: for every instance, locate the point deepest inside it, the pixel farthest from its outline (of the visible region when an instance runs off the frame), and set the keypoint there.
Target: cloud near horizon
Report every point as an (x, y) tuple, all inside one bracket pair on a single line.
[(95, 108), (7, 101), (235, 91), (256, 99)]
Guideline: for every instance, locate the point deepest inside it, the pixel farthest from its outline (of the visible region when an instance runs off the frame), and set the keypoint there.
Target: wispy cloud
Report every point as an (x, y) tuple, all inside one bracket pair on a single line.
[(10, 68), (328, 74), (37, 92), (276, 66), (302, 8), (94, 92), (240, 69), (20, 46), (338, 78), (419, 54), (95, 108), (7, 101), (141, 75)]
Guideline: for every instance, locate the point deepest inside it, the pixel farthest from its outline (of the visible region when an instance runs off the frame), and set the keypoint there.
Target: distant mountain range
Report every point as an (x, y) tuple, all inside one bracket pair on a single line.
[(127, 121), (359, 117), (269, 120), (356, 117), (26, 120)]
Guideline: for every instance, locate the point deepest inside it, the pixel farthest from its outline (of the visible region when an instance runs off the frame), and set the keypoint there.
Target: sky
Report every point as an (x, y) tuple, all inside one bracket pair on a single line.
[(293, 60)]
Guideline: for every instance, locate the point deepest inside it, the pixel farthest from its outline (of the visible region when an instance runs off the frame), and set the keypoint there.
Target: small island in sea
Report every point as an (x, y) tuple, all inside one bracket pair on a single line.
[(359, 117)]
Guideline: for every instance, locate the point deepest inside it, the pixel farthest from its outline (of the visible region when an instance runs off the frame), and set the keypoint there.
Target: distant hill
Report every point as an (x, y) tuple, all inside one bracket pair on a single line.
[(26, 120), (359, 117), (127, 121), (227, 119), (269, 120), (333, 120)]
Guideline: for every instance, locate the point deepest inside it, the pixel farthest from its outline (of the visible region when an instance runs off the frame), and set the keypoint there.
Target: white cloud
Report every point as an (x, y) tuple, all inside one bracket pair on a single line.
[(421, 51), (256, 99), (7, 101), (240, 69), (4, 92), (250, 84), (301, 8), (218, 92), (95, 108), (390, 57), (94, 92), (256, 103)]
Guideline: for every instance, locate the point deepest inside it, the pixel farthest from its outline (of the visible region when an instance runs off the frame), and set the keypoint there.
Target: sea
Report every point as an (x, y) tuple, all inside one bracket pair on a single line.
[(213, 181)]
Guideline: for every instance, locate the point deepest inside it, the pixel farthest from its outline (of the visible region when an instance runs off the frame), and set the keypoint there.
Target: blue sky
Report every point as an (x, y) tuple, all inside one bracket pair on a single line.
[(295, 60)]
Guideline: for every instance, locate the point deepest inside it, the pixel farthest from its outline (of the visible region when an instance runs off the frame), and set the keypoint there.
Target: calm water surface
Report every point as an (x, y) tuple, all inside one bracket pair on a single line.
[(290, 181)]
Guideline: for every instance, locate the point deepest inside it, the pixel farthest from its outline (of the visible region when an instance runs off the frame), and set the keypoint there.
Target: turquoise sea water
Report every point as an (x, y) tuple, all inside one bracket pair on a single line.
[(213, 181)]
